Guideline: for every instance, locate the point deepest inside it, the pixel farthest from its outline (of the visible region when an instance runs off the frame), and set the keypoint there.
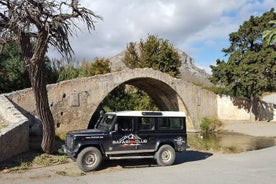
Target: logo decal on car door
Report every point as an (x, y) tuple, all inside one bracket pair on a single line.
[(130, 140)]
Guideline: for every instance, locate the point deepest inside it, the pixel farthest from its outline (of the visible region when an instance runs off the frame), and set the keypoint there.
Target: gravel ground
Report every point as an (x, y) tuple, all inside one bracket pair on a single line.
[(270, 98), (192, 166), (263, 129)]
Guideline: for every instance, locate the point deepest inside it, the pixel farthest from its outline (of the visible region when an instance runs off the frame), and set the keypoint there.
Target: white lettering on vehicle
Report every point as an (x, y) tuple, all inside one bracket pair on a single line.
[(94, 137), (130, 139)]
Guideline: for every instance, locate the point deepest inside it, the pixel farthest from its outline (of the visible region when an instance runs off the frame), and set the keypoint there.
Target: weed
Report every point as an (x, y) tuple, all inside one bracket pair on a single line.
[(61, 136), (62, 173), (2, 125), (73, 174), (211, 143), (47, 160), (209, 125), (22, 167), (232, 149), (204, 143)]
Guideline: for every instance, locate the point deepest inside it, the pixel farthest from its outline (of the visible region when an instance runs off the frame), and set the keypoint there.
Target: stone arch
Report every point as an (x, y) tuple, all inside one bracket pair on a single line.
[(165, 97)]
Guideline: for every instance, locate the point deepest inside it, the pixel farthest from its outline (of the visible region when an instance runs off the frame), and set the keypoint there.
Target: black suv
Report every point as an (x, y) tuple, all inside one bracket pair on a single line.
[(129, 135)]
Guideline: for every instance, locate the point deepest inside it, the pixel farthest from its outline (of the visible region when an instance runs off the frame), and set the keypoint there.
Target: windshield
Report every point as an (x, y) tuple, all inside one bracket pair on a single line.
[(106, 122)]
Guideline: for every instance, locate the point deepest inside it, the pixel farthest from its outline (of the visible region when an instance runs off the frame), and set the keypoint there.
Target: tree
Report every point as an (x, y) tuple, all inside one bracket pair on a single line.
[(86, 68), (154, 53), (126, 97), (99, 66), (34, 25), (251, 68), (269, 35), (13, 75)]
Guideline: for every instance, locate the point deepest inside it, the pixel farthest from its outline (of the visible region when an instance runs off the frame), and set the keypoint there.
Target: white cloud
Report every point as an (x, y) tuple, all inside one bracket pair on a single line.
[(192, 26)]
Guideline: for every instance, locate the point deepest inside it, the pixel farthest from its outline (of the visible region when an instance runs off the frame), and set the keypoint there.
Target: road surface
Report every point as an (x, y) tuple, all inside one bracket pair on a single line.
[(191, 167)]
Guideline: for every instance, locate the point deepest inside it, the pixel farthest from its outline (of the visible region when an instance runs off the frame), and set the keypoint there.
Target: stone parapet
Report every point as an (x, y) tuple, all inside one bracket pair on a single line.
[(14, 136)]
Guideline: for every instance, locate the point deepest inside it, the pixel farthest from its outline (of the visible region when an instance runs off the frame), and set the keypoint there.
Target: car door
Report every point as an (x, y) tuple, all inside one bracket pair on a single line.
[(146, 133), (123, 138)]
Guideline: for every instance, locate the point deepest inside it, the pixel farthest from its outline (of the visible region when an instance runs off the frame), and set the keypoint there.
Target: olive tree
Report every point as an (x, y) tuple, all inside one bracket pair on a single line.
[(34, 25)]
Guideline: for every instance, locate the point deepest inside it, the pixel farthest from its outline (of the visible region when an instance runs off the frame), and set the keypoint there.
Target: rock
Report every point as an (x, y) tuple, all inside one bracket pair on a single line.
[(188, 71)]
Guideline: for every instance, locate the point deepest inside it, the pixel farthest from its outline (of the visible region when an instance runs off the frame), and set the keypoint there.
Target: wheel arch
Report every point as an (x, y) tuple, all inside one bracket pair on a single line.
[(164, 142), (83, 146)]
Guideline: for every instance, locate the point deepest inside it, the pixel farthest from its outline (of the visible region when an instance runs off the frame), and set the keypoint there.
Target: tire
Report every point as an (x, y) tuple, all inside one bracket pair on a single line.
[(89, 159), (165, 155)]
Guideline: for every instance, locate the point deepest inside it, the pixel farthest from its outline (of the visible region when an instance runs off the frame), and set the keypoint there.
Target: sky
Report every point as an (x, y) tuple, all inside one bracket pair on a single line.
[(199, 28)]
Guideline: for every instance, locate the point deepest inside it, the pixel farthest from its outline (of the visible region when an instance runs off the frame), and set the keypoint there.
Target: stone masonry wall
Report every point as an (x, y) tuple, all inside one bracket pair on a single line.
[(234, 109), (14, 136)]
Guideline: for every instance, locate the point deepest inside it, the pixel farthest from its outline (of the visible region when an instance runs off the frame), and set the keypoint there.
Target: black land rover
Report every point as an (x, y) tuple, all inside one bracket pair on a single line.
[(129, 135)]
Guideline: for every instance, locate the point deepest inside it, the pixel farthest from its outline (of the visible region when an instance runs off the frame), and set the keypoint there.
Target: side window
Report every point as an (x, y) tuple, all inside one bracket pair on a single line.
[(125, 123), (170, 123), (106, 122), (147, 123)]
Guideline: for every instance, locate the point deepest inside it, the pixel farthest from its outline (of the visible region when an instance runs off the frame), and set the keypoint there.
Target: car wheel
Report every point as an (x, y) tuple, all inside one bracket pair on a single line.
[(89, 159), (165, 155)]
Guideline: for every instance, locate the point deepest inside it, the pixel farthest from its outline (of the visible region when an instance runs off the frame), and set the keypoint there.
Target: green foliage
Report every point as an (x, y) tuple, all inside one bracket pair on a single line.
[(154, 53), (251, 68), (85, 69), (211, 143), (12, 71), (48, 160), (22, 167), (204, 142), (269, 35), (13, 74), (99, 66), (127, 98), (209, 125), (67, 73)]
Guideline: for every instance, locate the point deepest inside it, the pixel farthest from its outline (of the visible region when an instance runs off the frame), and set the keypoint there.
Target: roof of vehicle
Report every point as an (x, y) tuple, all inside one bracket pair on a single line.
[(149, 113)]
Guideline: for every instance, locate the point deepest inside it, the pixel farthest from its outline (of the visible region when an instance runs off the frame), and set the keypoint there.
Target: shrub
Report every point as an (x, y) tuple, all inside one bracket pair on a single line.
[(210, 125)]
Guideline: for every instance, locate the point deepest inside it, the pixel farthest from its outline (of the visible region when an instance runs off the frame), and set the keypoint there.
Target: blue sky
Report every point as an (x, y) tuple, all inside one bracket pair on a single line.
[(200, 28)]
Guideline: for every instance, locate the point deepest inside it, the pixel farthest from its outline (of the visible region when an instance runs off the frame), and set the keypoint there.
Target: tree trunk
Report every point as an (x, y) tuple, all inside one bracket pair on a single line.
[(42, 106), (36, 68)]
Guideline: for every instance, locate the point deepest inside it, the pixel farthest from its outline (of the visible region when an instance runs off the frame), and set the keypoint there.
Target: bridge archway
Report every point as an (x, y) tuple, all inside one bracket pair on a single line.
[(163, 95)]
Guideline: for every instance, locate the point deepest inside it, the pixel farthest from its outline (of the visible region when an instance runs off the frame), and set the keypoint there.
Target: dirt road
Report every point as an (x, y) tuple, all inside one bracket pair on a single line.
[(264, 129), (191, 167)]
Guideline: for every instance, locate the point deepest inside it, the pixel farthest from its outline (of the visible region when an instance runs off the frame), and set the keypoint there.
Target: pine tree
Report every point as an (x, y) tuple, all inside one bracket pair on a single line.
[(251, 68)]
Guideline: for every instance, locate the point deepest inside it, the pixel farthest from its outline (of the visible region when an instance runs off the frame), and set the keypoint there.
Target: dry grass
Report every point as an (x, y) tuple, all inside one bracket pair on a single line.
[(2, 123)]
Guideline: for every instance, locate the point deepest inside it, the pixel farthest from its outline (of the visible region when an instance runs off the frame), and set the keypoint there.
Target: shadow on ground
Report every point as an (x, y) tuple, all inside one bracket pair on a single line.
[(191, 156), (181, 158), (25, 160)]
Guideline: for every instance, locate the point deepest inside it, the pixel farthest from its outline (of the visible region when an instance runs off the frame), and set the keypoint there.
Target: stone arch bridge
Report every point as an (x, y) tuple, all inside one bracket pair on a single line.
[(73, 102)]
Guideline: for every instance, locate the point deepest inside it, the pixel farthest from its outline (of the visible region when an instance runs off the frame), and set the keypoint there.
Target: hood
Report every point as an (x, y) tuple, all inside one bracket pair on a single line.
[(87, 132)]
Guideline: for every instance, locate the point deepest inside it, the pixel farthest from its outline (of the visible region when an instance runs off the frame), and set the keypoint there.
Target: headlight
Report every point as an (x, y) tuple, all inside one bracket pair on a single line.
[(70, 141)]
